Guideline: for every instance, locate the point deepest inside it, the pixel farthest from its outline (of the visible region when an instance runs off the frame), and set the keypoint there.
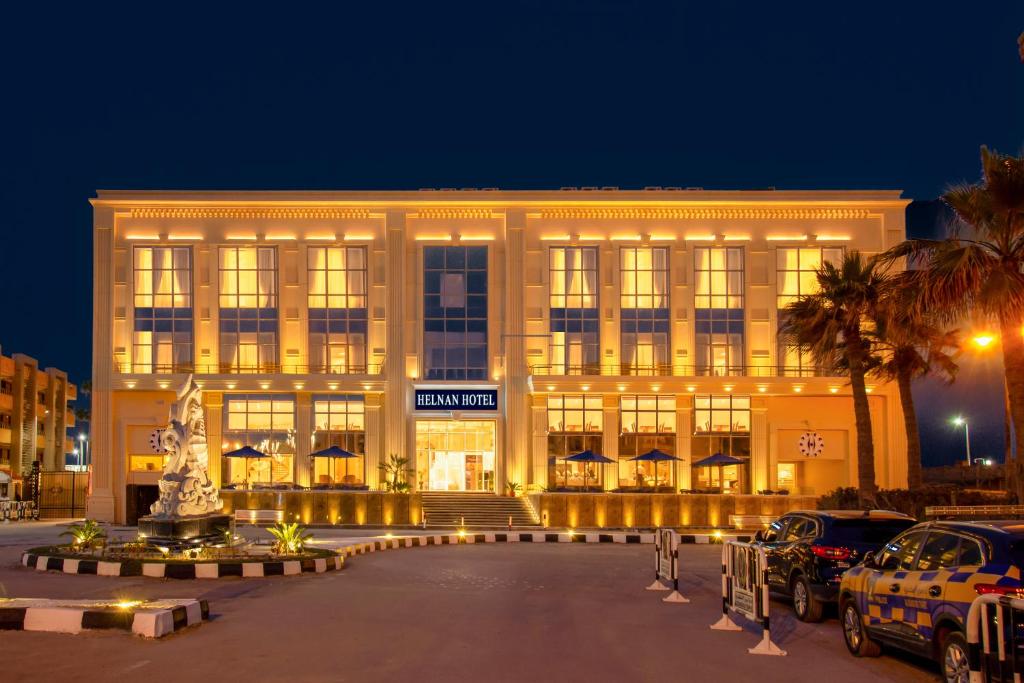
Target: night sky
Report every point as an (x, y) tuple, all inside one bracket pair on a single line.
[(724, 95)]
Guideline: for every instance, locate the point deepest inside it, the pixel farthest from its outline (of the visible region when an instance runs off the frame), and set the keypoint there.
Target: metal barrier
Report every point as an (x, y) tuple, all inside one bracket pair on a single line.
[(666, 565), (978, 511), (16, 510), (995, 620), (745, 591)]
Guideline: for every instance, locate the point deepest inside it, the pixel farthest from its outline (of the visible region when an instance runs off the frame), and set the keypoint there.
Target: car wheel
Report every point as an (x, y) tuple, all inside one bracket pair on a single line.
[(953, 658), (807, 607), (858, 642)]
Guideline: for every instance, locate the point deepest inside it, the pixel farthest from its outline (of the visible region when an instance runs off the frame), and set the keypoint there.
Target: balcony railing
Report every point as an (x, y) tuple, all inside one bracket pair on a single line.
[(260, 369), (665, 370)]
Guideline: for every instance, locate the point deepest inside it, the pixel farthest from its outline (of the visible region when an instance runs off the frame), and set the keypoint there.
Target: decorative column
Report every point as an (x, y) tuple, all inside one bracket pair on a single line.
[(610, 440), (761, 471), (684, 431), (514, 351), (303, 438), (374, 404), (394, 364), (539, 431), (99, 504), (213, 402)]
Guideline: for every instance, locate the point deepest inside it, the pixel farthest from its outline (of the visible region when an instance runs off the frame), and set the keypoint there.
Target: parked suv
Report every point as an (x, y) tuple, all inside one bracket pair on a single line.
[(808, 551), (914, 594)]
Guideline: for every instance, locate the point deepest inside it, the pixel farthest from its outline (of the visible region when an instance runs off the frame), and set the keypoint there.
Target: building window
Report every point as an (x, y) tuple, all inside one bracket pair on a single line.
[(575, 424), (337, 309), (455, 312), (721, 424), (339, 420), (248, 309), (796, 277), (719, 305), (575, 339), (266, 423), (648, 423), (162, 329), (644, 303)]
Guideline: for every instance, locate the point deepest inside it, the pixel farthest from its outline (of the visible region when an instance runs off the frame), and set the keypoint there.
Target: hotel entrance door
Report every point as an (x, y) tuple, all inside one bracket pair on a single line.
[(455, 455)]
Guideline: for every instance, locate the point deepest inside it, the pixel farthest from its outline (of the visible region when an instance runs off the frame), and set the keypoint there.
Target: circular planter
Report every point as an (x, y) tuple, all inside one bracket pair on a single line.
[(63, 559)]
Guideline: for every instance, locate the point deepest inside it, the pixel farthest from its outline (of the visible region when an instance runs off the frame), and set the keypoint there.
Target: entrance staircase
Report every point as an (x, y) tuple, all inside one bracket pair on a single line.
[(478, 510)]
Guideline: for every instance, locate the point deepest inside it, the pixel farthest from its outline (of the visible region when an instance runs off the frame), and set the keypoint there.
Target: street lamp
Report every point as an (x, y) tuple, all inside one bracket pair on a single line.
[(983, 340), (959, 421), (80, 452)]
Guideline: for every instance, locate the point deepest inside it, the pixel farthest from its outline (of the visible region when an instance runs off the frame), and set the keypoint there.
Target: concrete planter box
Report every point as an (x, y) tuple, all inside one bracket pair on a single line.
[(627, 510), (371, 508)]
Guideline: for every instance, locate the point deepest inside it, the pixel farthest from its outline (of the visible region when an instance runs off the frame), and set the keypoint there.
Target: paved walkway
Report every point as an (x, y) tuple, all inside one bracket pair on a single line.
[(527, 612)]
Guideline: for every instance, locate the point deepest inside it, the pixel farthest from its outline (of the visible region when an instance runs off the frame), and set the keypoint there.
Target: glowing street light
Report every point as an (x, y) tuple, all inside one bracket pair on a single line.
[(960, 421), (983, 340)]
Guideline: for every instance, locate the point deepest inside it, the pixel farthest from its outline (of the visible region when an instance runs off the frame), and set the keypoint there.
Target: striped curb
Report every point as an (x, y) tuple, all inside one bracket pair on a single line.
[(523, 537), (197, 570), (214, 570), (150, 619)]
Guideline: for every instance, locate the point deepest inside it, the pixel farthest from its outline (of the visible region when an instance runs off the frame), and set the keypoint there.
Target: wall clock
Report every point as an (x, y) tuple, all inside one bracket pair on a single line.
[(811, 444)]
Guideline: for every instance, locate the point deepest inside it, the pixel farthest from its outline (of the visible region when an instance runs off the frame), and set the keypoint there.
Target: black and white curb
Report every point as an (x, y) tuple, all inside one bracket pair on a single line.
[(150, 619), (466, 538), (184, 570), (217, 570)]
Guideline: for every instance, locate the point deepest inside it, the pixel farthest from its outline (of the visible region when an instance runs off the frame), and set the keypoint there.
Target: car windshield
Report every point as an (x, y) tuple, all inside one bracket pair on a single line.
[(873, 531)]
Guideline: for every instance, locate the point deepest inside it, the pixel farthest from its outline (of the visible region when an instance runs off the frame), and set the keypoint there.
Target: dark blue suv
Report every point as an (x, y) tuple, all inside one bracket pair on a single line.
[(808, 551)]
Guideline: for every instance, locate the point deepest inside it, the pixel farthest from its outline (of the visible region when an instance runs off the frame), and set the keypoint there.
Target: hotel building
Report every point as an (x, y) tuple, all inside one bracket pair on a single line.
[(482, 334), (35, 415)]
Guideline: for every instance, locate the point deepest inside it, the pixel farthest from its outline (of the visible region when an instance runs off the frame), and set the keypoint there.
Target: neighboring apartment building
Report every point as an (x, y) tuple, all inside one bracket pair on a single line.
[(483, 334), (35, 415)]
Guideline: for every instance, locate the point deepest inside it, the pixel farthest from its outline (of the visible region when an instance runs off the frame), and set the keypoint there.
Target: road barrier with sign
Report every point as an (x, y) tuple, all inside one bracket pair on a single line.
[(666, 565), (993, 646), (14, 510), (745, 591)]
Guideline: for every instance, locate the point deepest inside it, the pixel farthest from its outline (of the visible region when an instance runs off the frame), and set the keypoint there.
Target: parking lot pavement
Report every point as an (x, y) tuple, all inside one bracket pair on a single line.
[(522, 612)]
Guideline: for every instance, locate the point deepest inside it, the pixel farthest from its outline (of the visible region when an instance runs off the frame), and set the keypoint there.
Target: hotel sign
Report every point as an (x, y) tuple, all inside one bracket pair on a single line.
[(456, 399)]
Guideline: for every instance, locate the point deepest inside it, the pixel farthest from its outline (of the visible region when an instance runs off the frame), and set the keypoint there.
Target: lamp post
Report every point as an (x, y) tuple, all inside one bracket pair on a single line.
[(80, 451), (959, 421)]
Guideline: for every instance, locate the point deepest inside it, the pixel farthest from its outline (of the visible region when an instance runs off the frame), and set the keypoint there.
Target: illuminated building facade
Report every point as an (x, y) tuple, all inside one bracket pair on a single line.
[(483, 334), (35, 415)]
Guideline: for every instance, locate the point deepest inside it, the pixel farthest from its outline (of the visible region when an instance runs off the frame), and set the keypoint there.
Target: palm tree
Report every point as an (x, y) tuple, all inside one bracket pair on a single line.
[(831, 325), (977, 271), (911, 346)]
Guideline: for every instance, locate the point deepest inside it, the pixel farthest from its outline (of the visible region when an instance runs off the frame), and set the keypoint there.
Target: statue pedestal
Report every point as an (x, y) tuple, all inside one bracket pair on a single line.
[(179, 530)]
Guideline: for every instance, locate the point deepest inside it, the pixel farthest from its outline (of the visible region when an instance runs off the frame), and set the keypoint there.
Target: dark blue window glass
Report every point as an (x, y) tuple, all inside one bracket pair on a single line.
[(455, 312)]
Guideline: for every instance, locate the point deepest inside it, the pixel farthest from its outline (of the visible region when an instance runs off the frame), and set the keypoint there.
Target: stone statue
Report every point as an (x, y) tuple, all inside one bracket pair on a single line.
[(185, 487)]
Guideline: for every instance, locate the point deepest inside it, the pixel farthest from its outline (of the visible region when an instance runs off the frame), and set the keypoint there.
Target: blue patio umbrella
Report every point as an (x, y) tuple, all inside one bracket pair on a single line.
[(333, 452), (654, 456), (719, 460), (587, 456), (248, 453)]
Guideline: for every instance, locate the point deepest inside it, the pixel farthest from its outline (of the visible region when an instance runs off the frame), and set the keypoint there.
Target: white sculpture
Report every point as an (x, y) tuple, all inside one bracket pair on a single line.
[(185, 487)]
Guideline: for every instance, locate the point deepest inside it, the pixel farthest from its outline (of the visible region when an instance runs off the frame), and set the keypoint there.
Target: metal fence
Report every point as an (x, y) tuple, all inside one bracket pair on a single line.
[(62, 494), (995, 640)]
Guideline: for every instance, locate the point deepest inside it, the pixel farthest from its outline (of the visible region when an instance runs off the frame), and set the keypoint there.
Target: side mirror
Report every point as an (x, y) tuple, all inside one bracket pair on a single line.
[(759, 536), (871, 560)]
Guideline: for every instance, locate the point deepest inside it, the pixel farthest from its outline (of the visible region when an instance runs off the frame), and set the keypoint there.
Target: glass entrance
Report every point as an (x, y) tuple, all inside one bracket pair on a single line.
[(455, 455)]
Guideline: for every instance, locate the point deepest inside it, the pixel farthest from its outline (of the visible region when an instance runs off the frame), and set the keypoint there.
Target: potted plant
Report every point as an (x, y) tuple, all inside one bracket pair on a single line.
[(513, 488)]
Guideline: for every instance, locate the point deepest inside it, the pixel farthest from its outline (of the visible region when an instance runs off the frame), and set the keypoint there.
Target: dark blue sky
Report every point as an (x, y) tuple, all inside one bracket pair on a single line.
[(516, 95)]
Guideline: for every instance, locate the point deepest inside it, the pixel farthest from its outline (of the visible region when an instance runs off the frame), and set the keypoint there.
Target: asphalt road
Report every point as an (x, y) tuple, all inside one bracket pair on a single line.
[(520, 612)]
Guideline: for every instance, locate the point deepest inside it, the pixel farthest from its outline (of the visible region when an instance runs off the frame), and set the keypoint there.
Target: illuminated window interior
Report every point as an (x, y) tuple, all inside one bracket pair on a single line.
[(162, 330), (339, 420), (337, 309)]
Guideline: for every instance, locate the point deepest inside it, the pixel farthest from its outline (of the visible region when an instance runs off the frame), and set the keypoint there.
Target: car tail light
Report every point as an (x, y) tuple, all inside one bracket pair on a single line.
[(830, 552), (993, 589)]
